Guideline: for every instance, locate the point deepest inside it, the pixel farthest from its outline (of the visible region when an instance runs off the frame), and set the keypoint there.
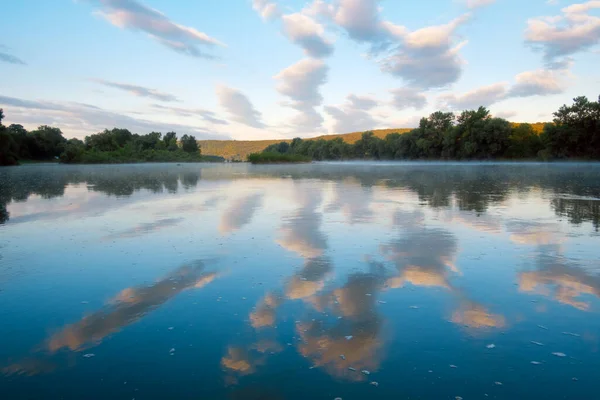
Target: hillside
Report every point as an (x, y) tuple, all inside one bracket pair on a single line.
[(239, 149)]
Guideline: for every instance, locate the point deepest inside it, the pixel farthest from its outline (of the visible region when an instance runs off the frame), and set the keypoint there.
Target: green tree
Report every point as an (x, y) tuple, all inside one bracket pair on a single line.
[(189, 144)]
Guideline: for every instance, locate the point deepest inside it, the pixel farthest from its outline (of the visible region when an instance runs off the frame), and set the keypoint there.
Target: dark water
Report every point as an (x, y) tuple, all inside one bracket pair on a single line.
[(285, 282)]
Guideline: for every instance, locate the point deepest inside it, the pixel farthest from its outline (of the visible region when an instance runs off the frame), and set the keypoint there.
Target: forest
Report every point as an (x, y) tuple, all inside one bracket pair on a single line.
[(47, 143), (470, 135)]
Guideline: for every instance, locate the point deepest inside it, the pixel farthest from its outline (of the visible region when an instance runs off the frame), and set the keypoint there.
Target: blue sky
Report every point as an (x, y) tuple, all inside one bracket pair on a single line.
[(254, 69)]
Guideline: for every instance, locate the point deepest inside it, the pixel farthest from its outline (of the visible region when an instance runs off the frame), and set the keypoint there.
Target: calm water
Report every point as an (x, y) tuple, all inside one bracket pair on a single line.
[(287, 282)]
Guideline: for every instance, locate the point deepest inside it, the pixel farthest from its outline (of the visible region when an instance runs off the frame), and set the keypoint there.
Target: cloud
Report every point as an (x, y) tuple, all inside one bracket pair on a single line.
[(132, 15), (353, 115), (478, 3), (239, 106), (505, 114), (266, 9), (361, 20), (308, 34), (474, 315), (9, 58), (428, 58), (538, 82), (139, 91), (571, 32), (529, 83), (362, 102), (483, 96), (77, 119), (206, 115), (404, 98), (264, 312), (300, 82)]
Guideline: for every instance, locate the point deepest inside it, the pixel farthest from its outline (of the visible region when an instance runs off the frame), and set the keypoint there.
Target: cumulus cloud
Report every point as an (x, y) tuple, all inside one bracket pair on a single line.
[(239, 106), (404, 98), (308, 34), (575, 30), (354, 114), (300, 82), (136, 90), (132, 15), (478, 3), (483, 96), (529, 83), (78, 119), (428, 57), (538, 82), (9, 58), (206, 115), (266, 9)]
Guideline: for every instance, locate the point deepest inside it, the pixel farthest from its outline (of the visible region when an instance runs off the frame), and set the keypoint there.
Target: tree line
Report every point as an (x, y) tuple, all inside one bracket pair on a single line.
[(116, 145), (472, 134)]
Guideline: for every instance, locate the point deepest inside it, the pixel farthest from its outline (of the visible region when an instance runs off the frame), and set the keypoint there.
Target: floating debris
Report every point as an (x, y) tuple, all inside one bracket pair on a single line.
[(368, 294), (170, 328), (312, 367), (382, 302), (453, 366), (366, 372), (430, 371), (343, 357), (89, 355), (536, 343), (571, 334), (542, 327), (352, 369), (349, 337), (414, 307), (172, 350), (338, 398), (559, 354), (85, 302), (498, 383), (458, 398), (536, 362), (574, 379), (491, 346), (243, 298), (374, 383)]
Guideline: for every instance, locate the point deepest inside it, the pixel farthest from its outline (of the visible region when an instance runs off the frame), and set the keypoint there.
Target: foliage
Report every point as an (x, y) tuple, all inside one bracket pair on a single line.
[(189, 144), (274, 157)]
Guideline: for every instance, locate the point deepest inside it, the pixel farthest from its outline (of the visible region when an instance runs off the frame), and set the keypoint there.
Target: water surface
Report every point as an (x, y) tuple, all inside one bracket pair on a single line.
[(350, 280)]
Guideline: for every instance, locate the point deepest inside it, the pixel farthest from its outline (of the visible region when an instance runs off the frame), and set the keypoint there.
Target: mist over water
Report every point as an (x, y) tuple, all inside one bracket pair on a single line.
[(323, 280)]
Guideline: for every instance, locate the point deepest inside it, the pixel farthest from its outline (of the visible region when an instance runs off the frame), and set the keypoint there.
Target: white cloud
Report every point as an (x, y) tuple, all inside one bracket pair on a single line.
[(353, 115), (301, 83), (428, 58), (478, 3), (206, 115), (239, 106), (529, 83), (268, 10), (78, 119), (404, 98), (130, 14), (483, 96), (538, 82), (136, 90), (308, 34), (563, 35)]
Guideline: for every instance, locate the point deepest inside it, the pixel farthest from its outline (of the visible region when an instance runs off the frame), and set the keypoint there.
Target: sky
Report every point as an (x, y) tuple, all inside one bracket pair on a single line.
[(265, 69)]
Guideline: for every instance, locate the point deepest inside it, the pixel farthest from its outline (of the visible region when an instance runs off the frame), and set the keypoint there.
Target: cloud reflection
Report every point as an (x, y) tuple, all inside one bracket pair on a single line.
[(240, 212)]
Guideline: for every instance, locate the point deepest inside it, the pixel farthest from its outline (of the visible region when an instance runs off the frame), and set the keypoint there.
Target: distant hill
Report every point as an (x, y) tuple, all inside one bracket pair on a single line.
[(239, 149)]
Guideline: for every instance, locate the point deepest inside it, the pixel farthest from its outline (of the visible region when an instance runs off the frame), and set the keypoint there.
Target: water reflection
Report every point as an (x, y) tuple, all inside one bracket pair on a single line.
[(240, 212), (320, 283), (125, 308)]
